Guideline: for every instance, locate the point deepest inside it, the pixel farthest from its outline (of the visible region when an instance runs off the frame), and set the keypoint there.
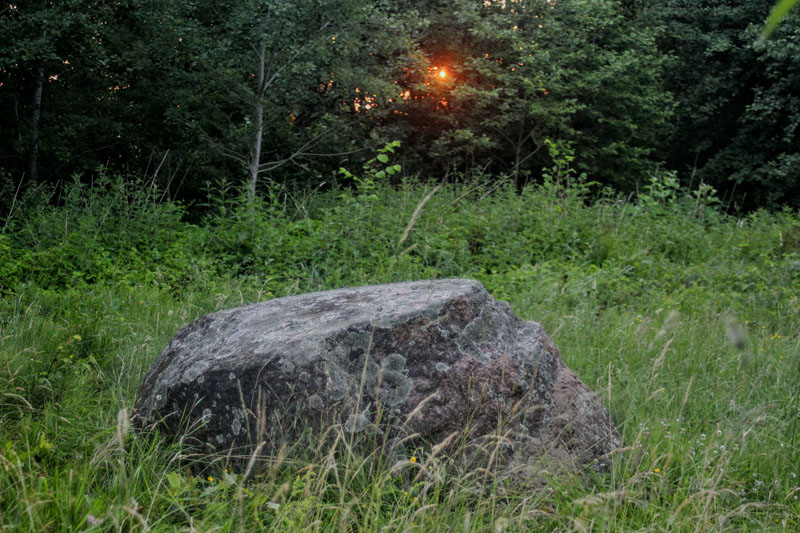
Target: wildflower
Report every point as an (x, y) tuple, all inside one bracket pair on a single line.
[(657, 470), (210, 479), (413, 459), (92, 520)]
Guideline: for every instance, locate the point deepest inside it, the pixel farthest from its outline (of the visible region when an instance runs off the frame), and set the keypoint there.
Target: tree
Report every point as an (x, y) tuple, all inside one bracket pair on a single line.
[(221, 89), (272, 80), (44, 45), (521, 72), (737, 117)]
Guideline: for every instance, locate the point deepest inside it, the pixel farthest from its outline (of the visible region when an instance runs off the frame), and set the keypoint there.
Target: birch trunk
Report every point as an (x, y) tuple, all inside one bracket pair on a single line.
[(255, 147)]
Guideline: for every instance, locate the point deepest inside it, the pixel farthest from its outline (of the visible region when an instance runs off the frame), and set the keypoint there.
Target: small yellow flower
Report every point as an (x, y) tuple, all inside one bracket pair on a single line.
[(657, 470), (413, 459), (210, 479)]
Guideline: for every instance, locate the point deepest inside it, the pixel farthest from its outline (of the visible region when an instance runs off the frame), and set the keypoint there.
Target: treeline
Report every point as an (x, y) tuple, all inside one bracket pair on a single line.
[(259, 91)]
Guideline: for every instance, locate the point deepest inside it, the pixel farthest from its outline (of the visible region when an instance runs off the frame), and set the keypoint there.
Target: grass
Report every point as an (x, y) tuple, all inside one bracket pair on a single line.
[(684, 320)]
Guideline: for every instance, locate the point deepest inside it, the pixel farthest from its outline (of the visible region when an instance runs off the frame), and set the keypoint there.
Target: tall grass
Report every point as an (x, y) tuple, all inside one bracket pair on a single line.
[(684, 320)]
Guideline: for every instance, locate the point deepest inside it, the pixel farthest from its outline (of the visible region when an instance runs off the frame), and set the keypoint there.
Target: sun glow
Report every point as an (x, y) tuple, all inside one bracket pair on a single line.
[(443, 73)]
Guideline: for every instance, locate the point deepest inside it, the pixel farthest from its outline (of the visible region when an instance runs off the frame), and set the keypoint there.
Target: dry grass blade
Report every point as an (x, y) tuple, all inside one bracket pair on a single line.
[(416, 213), (660, 359), (419, 406)]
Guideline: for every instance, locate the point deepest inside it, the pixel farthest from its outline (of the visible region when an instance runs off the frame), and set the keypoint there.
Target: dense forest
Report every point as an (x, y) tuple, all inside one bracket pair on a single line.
[(277, 92)]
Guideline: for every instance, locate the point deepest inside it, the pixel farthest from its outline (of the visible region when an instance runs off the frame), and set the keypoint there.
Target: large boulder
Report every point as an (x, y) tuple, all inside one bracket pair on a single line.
[(432, 358)]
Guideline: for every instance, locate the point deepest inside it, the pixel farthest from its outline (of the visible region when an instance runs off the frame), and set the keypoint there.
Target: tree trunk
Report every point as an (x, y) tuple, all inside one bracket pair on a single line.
[(18, 120), (255, 147), (36, 112), (33, 155)]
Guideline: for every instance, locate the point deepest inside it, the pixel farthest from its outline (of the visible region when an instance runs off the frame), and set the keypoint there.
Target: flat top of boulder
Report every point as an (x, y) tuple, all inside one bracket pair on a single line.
[(339, 307), (315, 315)]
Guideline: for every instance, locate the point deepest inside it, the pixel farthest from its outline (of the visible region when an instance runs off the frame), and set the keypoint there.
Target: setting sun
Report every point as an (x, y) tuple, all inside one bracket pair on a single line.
[(443, 74)]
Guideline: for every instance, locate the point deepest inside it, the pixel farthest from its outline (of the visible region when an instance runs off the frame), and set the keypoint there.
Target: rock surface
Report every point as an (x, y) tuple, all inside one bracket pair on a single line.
[(435, 358)]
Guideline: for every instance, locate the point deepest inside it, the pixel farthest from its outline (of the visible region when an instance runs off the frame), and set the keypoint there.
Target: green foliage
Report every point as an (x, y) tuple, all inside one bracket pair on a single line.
[(168, 88), (737, 118), (683, 320), (578, 72), (104, 231), (171, 90), (372, 175), (58, 38)]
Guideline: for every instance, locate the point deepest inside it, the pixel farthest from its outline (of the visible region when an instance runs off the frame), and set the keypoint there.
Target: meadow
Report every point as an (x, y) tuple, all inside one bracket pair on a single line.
[(683, 318)]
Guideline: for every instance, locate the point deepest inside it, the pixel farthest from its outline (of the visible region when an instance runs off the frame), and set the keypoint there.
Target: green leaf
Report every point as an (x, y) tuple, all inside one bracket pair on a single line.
[(778, 13), (383, 158), (44, 444), (175, 481)]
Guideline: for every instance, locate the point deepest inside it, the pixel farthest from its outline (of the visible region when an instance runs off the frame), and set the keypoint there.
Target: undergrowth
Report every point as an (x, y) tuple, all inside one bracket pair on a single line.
[(683, 319)]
